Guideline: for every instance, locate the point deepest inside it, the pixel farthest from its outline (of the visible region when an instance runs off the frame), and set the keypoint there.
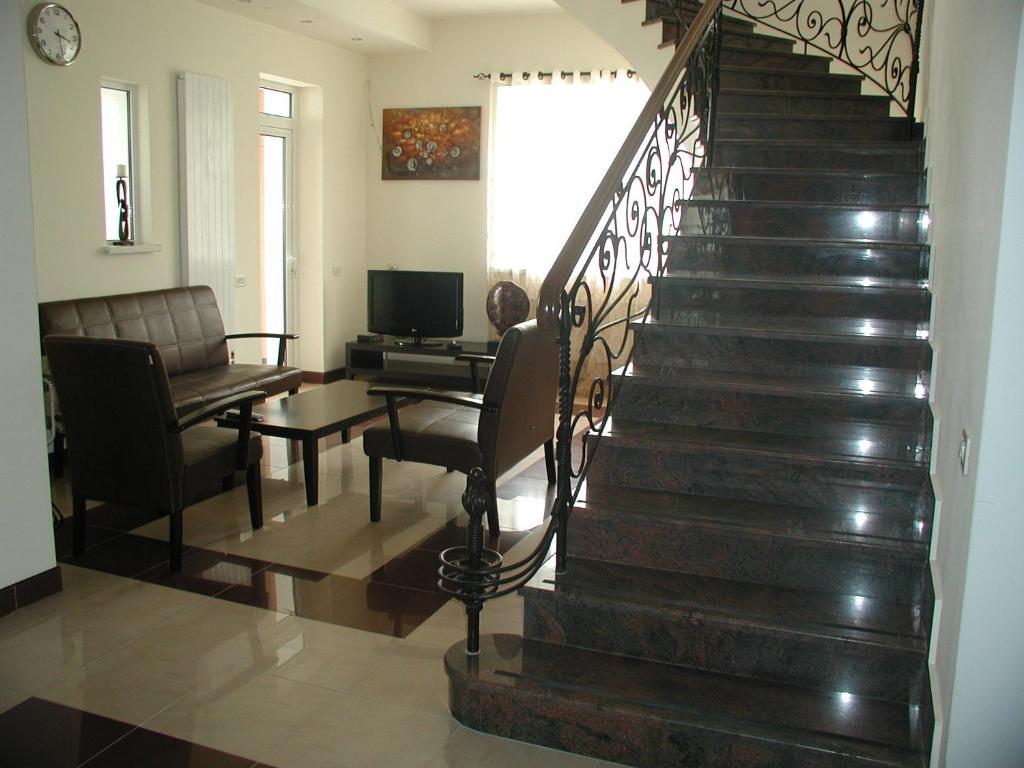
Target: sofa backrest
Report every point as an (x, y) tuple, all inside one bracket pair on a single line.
[(184, 323)]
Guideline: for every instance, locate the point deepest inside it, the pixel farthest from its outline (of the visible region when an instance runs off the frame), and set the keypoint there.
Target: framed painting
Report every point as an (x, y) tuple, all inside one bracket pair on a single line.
[(431, 143)]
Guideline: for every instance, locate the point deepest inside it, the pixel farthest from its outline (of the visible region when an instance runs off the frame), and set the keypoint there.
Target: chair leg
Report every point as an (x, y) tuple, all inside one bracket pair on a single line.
[(549, 460), (493, 529), (78, 522), (254, 487), (176, 538), (376, 487)]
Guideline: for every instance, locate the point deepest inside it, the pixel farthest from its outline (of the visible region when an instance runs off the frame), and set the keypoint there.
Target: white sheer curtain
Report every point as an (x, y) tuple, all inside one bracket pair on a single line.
[(553, 139)]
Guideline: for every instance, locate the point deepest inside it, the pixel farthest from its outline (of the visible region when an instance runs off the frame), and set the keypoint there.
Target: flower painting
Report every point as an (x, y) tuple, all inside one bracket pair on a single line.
[(431, 143)]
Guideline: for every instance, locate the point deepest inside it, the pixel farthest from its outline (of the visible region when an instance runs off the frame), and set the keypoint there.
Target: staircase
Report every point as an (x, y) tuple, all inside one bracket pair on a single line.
[(748, 579)]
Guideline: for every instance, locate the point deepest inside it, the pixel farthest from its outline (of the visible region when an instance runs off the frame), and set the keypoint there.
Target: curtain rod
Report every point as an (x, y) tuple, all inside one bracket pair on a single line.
[(526, 75)]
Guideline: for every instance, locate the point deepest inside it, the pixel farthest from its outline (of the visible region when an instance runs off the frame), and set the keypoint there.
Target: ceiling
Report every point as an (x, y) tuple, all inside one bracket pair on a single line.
[(374, 26)]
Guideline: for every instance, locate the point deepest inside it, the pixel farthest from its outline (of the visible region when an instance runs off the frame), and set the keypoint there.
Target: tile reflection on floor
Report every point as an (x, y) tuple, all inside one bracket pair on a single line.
[(315, 641)]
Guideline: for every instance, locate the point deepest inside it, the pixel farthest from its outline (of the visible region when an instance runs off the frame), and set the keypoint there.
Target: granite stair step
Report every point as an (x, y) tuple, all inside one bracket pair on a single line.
[(753, 125), (673, 32), (767, 79), (753, 466), (866, 224), (835, 155), (800, 102), (847, 642), (778, 404), (781, 344), (659, 9), (775, 256), (683, 291), (845, 187), (879, 553), (655, 714), (752, 57)]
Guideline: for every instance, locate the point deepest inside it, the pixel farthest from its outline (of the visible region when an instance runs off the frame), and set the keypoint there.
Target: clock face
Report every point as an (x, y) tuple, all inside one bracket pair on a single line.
[(54, 33)]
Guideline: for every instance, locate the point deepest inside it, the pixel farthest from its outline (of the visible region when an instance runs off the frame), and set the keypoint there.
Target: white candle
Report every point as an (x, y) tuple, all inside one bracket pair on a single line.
[(122, 170)]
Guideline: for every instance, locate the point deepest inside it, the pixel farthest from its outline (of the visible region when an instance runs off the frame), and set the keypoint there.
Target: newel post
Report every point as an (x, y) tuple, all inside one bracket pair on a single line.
[(474, 500), (563, 452)]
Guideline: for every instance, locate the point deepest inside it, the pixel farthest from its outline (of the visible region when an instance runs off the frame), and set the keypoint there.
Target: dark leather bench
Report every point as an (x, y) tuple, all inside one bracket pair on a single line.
[(186, 326)]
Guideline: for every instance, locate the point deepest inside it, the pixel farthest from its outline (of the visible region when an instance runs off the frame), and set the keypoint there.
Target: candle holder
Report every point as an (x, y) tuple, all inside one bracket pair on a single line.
[(123, 213)]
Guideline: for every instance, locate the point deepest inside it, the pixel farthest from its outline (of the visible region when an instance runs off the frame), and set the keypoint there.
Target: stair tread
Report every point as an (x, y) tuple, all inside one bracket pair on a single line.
[(862, 330), (831, 721), (815, 282), (897, 524), (812, 204), (852, 618), (839, 173), (804, 94), (872, 449), (763, 116), (835, 381), (816, 242), (741, 68)]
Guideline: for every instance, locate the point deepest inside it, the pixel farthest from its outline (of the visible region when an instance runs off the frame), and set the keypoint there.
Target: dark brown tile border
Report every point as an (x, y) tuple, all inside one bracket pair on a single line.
[(30, 590), (42, 734)]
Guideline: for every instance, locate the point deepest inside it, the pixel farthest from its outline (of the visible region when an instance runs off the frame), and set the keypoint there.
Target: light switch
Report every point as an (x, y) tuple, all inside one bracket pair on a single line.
[(336, 270), (240, 281)]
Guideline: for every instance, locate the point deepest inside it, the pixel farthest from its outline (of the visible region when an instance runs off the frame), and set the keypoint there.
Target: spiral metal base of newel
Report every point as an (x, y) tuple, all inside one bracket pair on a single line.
[(470, 572)]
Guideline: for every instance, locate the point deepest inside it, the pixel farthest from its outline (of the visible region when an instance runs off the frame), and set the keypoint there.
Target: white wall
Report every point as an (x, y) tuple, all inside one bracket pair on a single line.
[(26, 536), (442, 225), (148, 42), (988, 692), (967, 119)]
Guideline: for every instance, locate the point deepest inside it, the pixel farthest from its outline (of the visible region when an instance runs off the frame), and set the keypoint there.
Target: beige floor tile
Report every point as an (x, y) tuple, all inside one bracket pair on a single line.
[(471, 749), (249, 719), (359, 734)]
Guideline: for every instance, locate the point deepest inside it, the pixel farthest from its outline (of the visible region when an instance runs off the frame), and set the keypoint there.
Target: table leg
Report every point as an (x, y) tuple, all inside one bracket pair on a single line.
[(310, 470), (345, 435)]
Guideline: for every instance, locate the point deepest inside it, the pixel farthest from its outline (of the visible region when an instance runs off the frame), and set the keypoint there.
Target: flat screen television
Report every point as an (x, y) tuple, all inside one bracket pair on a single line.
[(416, 305)]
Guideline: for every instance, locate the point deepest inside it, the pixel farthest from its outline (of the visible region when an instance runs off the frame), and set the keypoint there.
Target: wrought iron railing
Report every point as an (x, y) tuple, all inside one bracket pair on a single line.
[(596, 293)]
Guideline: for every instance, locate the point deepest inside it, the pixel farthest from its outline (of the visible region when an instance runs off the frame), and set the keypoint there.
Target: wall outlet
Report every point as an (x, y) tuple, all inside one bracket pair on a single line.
[(241, 281), (965, 452)]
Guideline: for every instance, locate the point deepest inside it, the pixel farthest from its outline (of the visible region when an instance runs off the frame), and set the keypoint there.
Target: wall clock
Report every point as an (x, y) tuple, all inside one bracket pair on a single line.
[(54, 34)]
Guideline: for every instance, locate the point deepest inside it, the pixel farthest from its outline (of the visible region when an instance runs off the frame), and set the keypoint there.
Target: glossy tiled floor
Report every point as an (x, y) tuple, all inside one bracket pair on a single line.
[(312, 642)]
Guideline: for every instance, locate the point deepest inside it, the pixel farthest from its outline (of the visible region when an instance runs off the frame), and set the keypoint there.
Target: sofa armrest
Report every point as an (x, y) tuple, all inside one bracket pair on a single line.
[(242, 400), (281, 337)]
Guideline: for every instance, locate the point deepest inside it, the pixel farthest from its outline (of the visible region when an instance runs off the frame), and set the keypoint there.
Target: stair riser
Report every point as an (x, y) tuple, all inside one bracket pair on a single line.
[(623, 736), (796, 221), (781, 479), (676, 298), (750, 57), (852, 189), (793, 104), (755, 155), (711, 256), (678, 347), (900, 422), (717, 644), (732, 126), (776, 81), (721, 552)]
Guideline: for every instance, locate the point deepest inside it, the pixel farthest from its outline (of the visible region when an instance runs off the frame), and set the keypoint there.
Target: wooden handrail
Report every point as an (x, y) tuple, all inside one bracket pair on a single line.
[(561, 271)]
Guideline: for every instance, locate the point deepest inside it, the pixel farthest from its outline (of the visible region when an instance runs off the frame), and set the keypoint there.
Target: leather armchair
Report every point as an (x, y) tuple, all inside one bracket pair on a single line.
[(512, 418), (128, 445)]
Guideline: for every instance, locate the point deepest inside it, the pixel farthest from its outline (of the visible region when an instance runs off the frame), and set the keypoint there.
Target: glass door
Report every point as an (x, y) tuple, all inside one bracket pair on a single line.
[(277, 259)]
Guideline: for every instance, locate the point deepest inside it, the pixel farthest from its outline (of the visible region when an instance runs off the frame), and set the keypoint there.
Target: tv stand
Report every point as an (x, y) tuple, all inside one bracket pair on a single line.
[(417, 341), (431, 364)]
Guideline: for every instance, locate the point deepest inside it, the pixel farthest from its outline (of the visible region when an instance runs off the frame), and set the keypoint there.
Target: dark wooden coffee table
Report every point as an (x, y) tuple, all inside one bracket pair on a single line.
[(312, 414)]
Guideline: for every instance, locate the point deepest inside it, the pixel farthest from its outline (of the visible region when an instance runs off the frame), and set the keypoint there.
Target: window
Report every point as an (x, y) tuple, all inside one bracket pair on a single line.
[(117, 107), (552, 144), (275, 102)]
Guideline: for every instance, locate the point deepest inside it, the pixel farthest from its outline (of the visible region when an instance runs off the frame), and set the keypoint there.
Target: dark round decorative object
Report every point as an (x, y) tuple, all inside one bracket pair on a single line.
[(507, 305)]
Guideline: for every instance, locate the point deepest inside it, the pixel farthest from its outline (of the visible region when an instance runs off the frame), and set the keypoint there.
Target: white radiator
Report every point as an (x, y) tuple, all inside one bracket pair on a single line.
[(207, 187)]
